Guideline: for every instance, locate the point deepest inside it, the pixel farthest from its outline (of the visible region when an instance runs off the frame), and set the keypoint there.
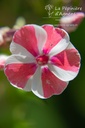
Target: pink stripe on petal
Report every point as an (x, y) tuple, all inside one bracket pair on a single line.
[(51, 84), (18, 73), (53, 37), (68, 59), (26, 37)]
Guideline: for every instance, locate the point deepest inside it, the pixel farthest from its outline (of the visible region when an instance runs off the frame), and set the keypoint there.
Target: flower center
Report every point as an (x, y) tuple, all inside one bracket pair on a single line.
[(42, 60)]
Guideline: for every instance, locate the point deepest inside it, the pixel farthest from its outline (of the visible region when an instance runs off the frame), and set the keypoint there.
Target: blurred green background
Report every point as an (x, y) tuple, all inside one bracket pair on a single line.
[(19, 109)]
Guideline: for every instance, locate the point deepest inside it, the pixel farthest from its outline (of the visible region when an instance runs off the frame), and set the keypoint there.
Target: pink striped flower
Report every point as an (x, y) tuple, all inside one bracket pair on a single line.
[(43, 60), (71, 22)]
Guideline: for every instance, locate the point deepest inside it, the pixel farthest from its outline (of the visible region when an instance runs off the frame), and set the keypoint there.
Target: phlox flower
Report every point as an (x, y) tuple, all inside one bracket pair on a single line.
[(72, 21), (3, 59), (43, 60)]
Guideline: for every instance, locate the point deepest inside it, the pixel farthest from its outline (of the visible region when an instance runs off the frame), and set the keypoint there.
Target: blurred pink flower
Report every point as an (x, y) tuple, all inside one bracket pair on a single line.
[(3, 30), (71, 22), (3, 59), (43, 60), (6, 35)]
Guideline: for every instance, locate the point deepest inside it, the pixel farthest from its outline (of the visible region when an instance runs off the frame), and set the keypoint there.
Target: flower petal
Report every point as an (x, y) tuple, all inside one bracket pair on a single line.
[(30, 37), (71, 22), (68, 59), (62, 74), (60, 46), (18, 49), (51, 84), (45, 84), (20, 59), (28, 85), (19, 72), (37, 84), (41, 37), (54, 36)]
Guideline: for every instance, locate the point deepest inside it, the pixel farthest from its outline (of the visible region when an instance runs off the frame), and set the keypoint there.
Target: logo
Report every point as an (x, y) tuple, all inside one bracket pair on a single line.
[(49, 8)]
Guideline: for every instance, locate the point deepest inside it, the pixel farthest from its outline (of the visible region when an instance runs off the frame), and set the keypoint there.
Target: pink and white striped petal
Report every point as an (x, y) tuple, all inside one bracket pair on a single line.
[(62, 45), (66, 64), (45, 84), (71, 22), (19, 74), (31, 37), (20, 50), (3, 59), (62, 74), (69, 59), (19, 70), (19, 59), (54, 37)]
